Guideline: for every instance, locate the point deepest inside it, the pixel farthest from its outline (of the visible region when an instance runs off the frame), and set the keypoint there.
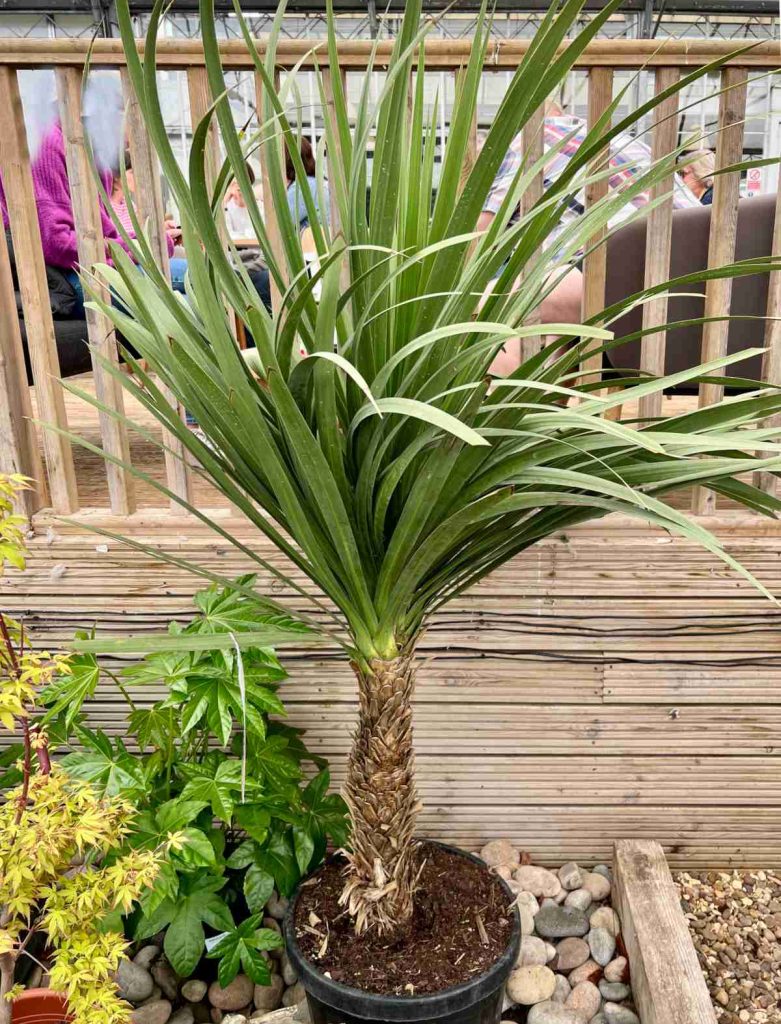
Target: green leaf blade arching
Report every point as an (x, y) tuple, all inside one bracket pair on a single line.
[(371, 441)]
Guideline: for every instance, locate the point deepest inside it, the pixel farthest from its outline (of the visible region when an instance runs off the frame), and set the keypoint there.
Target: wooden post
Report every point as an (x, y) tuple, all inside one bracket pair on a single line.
[(721, 245), (200, 101), (658, 239), (149, 206), (334, 168), (18, 441), (271, 149), (471, 150), (31, 273), (667, 982), (600, 95), (92, 249), (533, 147), (771, 360)]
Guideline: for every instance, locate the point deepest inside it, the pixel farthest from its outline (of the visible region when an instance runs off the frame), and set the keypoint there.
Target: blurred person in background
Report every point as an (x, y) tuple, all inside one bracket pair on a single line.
[(697, 170), (630, 157)]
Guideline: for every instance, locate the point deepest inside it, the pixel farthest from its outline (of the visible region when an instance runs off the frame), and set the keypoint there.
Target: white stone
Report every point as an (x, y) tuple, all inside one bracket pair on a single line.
[(597, 885), (528, 907), (531, 984), (552, 1013), (607, 918), (538, 881), (532, 951), (578, 898), (194, 990), (570, 876), (500, 851)]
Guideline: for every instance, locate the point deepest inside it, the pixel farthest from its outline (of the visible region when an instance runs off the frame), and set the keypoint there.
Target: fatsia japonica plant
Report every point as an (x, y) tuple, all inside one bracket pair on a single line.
[(371, 444), (60, 872), (211, 765)]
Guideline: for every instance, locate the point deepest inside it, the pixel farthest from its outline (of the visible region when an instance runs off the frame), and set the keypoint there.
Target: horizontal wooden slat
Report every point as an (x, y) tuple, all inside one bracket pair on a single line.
[(609, 730), (529, 719), (354, 53)]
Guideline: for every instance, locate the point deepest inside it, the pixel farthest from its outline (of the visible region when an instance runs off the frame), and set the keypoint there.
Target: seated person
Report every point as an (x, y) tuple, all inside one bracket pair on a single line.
[(629, 158), (697, 170), (295, 195), (237, 218)]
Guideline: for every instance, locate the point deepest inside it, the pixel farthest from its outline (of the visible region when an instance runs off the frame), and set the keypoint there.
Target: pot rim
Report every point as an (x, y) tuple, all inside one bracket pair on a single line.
[(405, 1008)]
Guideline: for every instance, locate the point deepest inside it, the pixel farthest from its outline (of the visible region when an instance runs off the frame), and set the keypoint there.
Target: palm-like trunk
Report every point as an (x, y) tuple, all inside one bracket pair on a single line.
[(380, 792)]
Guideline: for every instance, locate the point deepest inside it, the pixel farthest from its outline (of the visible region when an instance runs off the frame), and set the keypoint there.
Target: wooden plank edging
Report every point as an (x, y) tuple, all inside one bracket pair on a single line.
[(667, 983)]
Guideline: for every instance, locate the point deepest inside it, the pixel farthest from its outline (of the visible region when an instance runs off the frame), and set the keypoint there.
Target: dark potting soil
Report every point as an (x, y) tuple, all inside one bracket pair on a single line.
[(461, 926)]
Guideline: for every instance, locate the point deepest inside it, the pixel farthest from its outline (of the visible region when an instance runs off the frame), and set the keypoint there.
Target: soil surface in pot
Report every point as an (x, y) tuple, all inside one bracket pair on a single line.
[(461, 926)]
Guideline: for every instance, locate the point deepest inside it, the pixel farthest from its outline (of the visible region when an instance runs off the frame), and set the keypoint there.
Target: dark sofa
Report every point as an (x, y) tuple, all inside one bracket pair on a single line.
[(69, 331), (691, 228)]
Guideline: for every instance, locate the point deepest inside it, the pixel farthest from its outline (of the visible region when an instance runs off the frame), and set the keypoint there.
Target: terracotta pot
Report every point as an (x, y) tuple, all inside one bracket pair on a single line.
[(39, 1006)]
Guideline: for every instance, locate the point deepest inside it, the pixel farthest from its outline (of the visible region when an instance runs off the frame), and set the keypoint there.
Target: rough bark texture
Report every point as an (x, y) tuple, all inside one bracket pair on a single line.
[(380, 791), (6, 983)]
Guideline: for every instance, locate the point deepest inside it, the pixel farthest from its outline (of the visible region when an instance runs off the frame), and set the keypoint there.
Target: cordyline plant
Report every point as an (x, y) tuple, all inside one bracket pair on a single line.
[(382, 462), (55, 832)]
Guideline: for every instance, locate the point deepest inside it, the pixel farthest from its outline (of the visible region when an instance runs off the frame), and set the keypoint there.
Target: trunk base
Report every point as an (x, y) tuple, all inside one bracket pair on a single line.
[(380, 792), (423, 977)]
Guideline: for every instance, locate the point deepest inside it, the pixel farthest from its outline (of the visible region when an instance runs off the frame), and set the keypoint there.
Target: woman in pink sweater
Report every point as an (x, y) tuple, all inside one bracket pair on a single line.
[(103, 118)]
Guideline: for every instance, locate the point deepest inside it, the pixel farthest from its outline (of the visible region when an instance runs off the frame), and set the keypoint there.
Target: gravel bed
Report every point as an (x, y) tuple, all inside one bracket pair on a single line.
[(735, 922)]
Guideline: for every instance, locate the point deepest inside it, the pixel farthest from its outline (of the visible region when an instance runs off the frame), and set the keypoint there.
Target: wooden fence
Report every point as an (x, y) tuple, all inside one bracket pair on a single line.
[(612, 683), (57, 485)]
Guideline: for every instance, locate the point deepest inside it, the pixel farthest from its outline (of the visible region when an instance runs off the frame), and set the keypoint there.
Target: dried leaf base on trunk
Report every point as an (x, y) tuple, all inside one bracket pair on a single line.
[(380, 792), (667, 982)]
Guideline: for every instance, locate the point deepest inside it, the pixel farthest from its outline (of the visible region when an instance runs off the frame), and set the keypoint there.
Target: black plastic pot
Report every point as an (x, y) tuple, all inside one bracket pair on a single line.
[(477, 1001)]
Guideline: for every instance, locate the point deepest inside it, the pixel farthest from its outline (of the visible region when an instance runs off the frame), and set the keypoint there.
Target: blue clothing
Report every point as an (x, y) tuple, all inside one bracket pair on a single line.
[(177, 266), (74, 281), (297, 204)]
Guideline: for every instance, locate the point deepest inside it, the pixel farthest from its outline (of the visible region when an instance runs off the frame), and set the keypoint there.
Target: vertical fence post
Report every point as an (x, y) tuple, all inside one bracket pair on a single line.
[(149, 206), (721, 245), (471, 149), (533, 147), (334, 167), (200, 101), (31, 273), (771, 360), (18, 443), (271, 149), (658, 239), (600, 95), (85, 202)]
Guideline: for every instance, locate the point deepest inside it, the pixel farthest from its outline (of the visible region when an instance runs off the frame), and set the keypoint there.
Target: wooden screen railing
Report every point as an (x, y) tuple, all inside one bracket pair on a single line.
[(57, 486)]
